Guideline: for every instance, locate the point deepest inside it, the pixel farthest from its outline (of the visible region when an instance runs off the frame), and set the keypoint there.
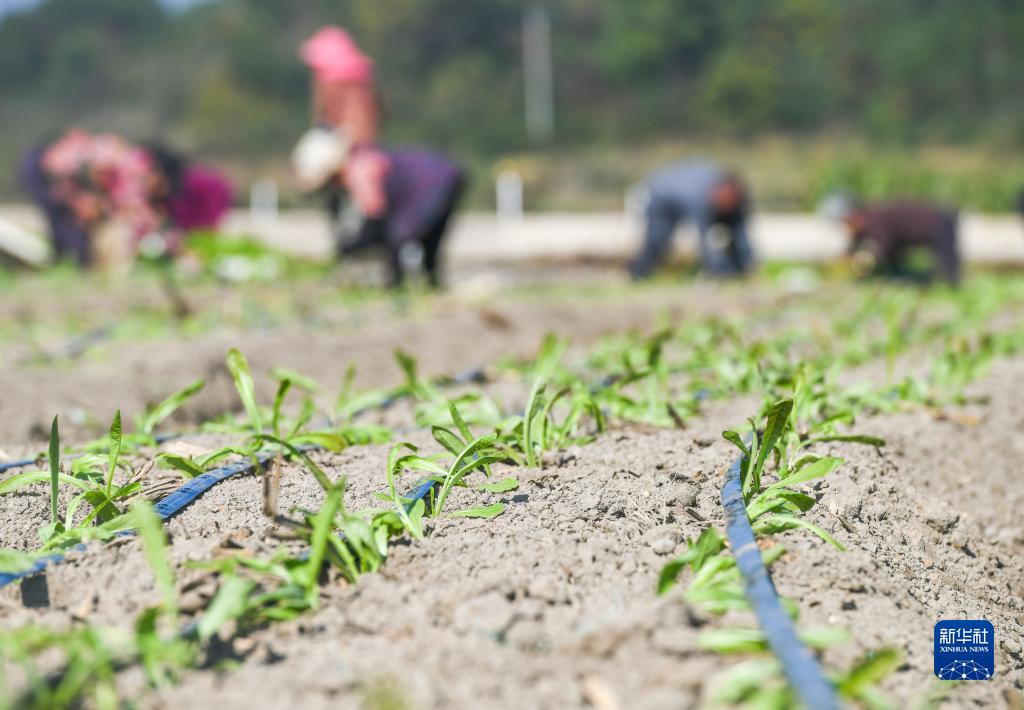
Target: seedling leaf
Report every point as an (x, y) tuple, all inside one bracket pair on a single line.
[(328, 440), (14, 561), (817, 469), (32, 477), (54, 470), (147, 522), (709, 544), (731, 640), (778, 419), (503, 486), (166, 408), (186, 466), (736, 440), (533, 407), (282, 391), (459, 422), (870, 670), (230, 603), (240, 373), (851, 438), (779, 522), (487, 511), (282, 374), (115, 450), (448, 440)]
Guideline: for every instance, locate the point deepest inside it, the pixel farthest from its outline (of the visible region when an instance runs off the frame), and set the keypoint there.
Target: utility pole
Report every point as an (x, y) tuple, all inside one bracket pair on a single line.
[(538, 75)]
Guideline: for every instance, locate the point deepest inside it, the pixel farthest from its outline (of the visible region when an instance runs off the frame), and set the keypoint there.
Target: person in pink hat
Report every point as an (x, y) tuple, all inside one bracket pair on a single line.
[(344, 97)]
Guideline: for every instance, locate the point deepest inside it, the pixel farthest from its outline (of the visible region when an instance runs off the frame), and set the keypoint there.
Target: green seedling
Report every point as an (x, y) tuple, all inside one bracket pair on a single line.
[(475, 454), (780, 522), (733, 640), (301, 381), (697, 553), (547, 363), (89, 657), (143, 436), (239, 368), (285, 433), (349, 403), (409, 512), (93, 477), (526, 438), (755, 455), (780, 496), (503, 486), (716, 585), (56, 525), (153, 542), (471, 453), (231, 602), (860, 683), (255, 590), (155, 416), (760, 683)]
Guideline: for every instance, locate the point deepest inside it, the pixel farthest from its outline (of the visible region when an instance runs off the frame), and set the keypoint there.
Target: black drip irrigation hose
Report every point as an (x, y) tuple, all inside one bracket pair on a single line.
[(801, 668), (180, 498), (165, 508), (20, 463)]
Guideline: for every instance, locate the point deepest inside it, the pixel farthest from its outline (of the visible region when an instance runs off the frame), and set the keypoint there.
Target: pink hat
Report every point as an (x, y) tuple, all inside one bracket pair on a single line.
[(333, 56)]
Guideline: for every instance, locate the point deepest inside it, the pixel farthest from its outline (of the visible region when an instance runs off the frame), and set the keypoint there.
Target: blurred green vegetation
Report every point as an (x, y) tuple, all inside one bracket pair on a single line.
[(894, 78)]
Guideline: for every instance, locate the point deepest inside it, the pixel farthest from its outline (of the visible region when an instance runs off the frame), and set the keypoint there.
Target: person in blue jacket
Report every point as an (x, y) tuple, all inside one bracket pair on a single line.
[(708, 195)]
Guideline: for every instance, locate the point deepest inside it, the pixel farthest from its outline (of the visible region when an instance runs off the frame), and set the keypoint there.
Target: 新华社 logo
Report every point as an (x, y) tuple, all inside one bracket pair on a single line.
[(964, 649)]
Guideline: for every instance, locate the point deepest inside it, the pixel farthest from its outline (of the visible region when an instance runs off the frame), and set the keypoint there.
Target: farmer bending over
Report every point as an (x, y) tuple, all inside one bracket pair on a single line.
[(710, 196), (399, 198), (102, 188), (883, 238)]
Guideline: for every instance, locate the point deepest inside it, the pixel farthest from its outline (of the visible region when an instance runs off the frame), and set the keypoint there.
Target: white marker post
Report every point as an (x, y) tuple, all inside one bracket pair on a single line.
[(508, 195), (634, 203), (263, 198)]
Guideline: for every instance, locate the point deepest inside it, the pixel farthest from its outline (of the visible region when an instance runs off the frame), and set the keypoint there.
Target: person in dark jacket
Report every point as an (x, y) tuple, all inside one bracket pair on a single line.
[(400, 197), (883, 237), (708, 195)]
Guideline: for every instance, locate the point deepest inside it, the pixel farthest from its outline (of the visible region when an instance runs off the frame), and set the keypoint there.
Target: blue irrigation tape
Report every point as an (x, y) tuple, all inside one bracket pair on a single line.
[(183, 496), (39, 565), (167, 507), (421, 491), (180, 498), (186, 494), (22, 463), (801, 668)]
